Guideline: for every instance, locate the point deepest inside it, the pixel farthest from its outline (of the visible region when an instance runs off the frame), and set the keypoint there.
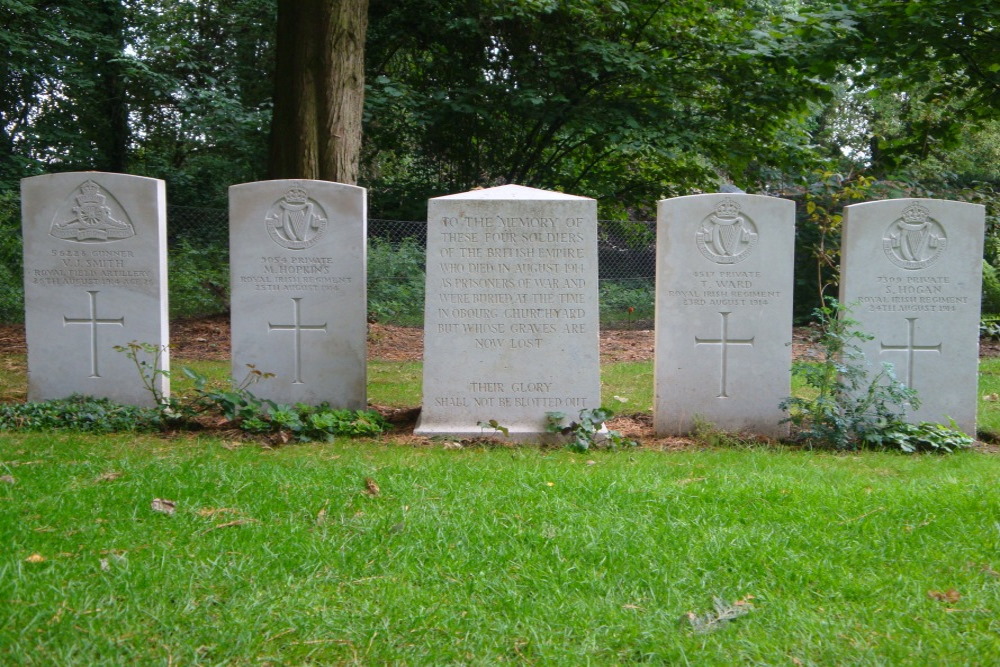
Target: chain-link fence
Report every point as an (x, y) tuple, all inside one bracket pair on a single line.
[(397, 249), (619, 256), (198, 240)]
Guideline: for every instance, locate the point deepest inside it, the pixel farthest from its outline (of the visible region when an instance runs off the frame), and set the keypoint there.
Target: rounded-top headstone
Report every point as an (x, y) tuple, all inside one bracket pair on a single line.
[(911, 273), (723, 312), (297, 262), (95, 278)]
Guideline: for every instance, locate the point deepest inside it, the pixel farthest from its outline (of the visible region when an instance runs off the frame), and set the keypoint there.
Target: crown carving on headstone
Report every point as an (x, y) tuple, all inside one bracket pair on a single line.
[(727, 208), (91, 193), (296, 195), (915, 214)]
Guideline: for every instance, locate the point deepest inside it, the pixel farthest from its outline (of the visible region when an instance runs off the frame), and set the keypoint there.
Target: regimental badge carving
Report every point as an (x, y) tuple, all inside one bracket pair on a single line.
[(915, 240), (727, 236), (94, 219), (295, 221)]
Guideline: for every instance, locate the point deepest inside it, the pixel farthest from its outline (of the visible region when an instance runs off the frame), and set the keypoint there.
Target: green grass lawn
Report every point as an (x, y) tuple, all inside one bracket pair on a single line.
[(488, 555)]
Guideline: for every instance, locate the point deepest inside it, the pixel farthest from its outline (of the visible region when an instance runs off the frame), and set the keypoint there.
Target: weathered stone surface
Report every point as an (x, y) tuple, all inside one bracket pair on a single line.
[(723, 312), (95, 277), (297, 253), (511, 320), (911, 273)]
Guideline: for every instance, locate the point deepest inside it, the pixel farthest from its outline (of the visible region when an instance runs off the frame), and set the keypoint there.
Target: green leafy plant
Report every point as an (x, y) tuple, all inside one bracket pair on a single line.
[(847, 407), (236, 404), (586, 433), (989, 327), (922, 437), (306, 423), (148, 360), (79, 413), (495, 425)]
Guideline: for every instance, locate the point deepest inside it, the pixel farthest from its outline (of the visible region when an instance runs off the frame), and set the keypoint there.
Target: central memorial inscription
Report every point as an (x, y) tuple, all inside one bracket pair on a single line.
[(511, 317)]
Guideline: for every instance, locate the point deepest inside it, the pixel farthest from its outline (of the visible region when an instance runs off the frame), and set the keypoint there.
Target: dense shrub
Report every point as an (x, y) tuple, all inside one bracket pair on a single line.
[(198, 279), (11, 272), (396, 282), (991, 290), (626, 303)]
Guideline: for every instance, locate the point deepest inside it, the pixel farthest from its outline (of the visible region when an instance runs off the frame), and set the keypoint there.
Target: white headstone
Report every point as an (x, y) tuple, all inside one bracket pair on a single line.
[(911, 270), (95, 277), (511, 317), (723, 312), (297, 262)]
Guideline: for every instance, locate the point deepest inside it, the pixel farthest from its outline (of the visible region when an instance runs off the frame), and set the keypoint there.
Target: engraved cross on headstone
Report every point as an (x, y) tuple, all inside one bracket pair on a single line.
[(910, 348), (93, 321), (724, 341), (298, 328)]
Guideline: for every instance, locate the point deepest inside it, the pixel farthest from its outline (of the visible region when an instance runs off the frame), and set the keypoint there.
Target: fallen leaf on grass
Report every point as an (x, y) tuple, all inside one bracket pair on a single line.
[(991, 397), (35, 558), (691, 480), (720, 616), (371, 488), (164, 506), (950, 595), (232, 445), (109, 476), (8, 479), (633, 606)]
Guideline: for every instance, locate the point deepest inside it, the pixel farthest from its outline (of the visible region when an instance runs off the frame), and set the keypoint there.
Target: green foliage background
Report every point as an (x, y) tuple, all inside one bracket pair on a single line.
[(828, 103)]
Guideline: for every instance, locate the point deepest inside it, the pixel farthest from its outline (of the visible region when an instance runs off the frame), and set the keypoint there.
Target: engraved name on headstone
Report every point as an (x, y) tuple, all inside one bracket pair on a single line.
[(911, 273), (511, 317), (723, 312), (94, 278), (297, 257)]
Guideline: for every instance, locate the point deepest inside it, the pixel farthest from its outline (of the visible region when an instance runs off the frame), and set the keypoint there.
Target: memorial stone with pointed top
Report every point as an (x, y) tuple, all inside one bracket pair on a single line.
[(511, 318), (911, 272), (95, 266), (297, 262), (724, 282)]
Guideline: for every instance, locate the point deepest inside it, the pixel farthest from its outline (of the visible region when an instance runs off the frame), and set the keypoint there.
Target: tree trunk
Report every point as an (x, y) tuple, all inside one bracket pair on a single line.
[(114, 138), (318, 89)]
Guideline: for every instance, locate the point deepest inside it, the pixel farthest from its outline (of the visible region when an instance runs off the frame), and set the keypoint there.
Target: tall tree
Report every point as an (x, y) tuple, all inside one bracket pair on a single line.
[(625, 102), (318, 89)]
